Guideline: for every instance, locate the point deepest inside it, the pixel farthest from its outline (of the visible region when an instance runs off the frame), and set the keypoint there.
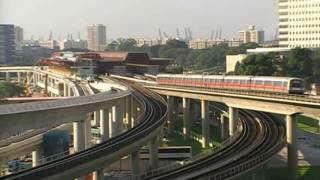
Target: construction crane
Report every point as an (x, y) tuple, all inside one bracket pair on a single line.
[(165, 35), (178, 34), (212, 34), (160, 34)]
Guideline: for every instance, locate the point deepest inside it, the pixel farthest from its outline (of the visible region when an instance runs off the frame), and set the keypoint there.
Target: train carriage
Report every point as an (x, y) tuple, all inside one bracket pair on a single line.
[(250, 83), (212, 81), (237, 82)]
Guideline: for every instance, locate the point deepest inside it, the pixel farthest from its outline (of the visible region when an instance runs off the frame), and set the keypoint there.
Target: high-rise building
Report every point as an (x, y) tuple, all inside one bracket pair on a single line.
[(299, 23), (18, 37), (97, 37), (6, 43), (251, 35), (70, 44)]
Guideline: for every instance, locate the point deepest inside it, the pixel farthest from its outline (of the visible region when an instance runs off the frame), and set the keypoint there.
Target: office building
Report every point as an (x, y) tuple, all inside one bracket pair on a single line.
[(73, 44), (299, 23), (18, 37), (7, 45), (50, 44), (150, 42), (251, 35), (97, 37), (208, 43)]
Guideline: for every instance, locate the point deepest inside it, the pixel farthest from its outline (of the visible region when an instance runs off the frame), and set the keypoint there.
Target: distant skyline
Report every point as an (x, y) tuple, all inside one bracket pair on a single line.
[(139, 18)]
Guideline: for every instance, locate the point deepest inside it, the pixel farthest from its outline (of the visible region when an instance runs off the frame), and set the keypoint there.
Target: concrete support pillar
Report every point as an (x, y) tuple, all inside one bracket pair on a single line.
[(97, 117), (170, 102), (233, 120), (34, 79), (8, 76), (205, 123), (69, 91), (88, 132), (35, 158), (98, 175), (223, 126), (121, 116), (186, 117), (292, 147), (128, 112), (65, 90), (117, 117), (154, 157), (114, 124), (19, 77), (104, 124), (135, 164), (79, 136)]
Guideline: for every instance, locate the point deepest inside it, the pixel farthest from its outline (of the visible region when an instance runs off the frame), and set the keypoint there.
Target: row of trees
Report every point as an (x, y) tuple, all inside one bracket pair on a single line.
[(299, 62), (188, 59)]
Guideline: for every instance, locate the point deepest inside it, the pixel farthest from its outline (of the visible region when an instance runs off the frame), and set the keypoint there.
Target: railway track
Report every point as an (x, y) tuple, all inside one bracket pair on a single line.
[(262, 137), (87, 161), (239, 92)]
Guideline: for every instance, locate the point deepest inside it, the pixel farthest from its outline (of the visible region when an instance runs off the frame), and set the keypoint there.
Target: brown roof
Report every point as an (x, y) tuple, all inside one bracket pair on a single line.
[(113, 56)]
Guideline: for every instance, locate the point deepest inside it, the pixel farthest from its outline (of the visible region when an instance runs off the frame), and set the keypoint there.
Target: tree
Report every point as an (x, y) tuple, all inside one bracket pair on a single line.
[(155, 51), (113, 46), (242, 49), (256, 65), (174, 69), (10, 90), (127, 45), (299, 63), (316, 67)]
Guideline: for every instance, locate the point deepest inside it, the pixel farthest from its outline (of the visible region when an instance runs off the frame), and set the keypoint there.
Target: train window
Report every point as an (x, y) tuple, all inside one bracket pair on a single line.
[(259, 82), (285, 84), (268, 83), (243, 82), (277, 83)]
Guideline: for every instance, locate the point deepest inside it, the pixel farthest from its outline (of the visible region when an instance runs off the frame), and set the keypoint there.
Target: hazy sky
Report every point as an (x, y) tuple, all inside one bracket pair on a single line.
[(139, 18)]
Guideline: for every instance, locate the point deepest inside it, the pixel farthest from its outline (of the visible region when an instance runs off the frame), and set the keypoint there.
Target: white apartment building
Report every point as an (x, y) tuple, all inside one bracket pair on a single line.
[(207, 43), (69, 44), (251, 35), (97, 37), (50, 44), (299, 23), (18, 37)]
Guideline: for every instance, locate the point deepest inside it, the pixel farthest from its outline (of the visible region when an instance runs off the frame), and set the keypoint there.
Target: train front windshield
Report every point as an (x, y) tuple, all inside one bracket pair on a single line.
[(296, 84)]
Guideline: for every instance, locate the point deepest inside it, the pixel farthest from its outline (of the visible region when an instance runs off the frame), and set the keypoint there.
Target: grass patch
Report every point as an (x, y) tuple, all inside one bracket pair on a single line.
[(305, 173), (178, 140), (308, 124)]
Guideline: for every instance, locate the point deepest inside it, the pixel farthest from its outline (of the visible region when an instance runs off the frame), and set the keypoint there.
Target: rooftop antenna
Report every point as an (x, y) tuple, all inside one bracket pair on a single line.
[(160, 34), (190, 33), (220, 34), (217, 34), (79, 36), (186, 34), (178, 33), (165, 35)]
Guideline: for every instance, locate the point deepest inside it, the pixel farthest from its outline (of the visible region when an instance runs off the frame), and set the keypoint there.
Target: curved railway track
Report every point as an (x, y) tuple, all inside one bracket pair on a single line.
[(87, 161), (262, 136)]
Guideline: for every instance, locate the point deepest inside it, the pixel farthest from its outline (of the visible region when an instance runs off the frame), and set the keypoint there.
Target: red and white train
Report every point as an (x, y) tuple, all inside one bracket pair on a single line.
[(286, 85)]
